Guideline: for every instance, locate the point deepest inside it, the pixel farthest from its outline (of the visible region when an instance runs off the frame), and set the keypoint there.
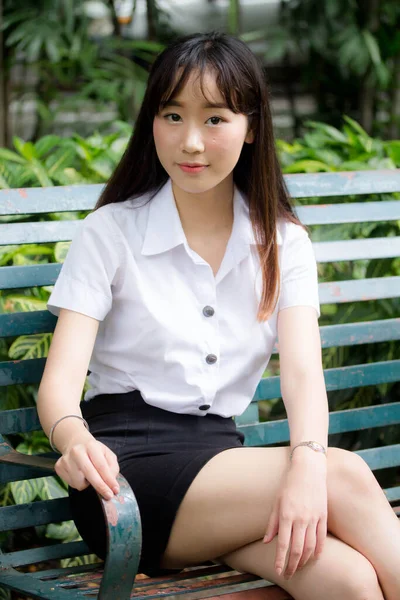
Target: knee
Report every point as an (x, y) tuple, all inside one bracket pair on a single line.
[(350, 471), (360, 582)]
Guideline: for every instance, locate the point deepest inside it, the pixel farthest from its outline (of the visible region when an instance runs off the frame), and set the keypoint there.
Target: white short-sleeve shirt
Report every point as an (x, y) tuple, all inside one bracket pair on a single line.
[(189, 341)]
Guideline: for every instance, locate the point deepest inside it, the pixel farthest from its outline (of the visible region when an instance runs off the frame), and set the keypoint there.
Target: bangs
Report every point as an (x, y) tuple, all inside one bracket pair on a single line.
[(227, 81)]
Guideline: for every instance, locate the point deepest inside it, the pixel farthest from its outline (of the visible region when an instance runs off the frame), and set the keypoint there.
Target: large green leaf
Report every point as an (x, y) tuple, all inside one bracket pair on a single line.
[(31, 346), (62, 531), (49, 488), (24, 491)]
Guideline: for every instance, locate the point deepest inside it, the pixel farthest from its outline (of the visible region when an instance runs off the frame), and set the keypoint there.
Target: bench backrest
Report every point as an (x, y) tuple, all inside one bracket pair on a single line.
[(36, 202)]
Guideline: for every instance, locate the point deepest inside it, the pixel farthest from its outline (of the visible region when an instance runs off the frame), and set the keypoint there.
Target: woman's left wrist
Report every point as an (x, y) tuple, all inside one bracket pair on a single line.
[(306, 455)]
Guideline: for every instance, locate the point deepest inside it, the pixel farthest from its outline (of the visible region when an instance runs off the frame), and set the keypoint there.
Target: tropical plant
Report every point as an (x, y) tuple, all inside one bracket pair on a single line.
[(349, 52)]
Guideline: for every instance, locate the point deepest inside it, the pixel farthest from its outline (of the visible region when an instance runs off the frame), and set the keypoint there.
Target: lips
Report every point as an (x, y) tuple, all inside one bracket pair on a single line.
[(192, 165)]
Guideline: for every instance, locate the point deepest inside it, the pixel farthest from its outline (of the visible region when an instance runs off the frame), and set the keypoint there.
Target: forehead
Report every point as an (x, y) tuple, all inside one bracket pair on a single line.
[(198, 87)]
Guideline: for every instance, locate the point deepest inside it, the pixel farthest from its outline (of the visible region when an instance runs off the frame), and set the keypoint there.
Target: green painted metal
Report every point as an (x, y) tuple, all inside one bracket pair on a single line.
[(339, 379), (21, 371), (356, 419), (381, 458), (350, 334), (357, 249), (42, 232), (329, 214), (28, 276), (300, 185), (27, 323), (308, 185), (124, 543), (36, 555), (40, 590), (19, 420), (34, 513), (392, 494), (356, 290), (42, 321)]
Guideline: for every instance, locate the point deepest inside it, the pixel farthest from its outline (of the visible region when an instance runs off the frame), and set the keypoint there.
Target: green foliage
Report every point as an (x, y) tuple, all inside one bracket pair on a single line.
[(74, 68), (326, 149)]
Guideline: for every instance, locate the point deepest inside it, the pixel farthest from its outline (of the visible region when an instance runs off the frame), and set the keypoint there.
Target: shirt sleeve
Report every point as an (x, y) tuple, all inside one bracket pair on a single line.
[(92, 263), (299, 280)]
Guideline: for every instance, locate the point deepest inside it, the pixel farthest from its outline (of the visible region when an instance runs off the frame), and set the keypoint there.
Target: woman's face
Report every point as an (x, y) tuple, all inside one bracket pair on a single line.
[(189, 131)]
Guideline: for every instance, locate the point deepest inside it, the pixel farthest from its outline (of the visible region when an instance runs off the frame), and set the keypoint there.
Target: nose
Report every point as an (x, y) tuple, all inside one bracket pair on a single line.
[(192, 140)]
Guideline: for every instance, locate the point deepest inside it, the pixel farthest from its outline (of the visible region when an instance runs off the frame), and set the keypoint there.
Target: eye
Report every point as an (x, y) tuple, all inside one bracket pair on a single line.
[(220, 119), (171, 115)]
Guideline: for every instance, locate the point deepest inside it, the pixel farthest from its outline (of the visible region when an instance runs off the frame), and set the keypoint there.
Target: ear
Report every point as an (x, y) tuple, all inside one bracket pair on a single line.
[(249, 139)]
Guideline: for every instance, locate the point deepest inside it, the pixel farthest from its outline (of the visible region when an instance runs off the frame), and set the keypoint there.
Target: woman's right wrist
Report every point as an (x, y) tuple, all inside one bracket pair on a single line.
[(69, 432)]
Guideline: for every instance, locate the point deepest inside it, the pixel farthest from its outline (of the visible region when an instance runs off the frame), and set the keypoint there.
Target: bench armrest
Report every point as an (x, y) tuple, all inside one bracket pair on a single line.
[(122, 517)]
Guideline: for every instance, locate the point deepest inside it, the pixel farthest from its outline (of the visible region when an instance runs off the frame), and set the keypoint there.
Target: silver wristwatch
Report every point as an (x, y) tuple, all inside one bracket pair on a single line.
[(313, 445)]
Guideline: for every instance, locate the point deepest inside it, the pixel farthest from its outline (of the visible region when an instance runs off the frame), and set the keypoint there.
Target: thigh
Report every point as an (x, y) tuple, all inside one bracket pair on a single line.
[(230, 500)]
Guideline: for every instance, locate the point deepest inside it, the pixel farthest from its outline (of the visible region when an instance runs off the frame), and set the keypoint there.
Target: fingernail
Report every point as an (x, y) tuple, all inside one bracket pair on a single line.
[(108, 496), (279, 570), (116, 489)]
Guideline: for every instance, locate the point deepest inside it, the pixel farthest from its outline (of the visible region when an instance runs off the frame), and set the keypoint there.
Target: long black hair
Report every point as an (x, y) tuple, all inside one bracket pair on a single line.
[(257, 174)]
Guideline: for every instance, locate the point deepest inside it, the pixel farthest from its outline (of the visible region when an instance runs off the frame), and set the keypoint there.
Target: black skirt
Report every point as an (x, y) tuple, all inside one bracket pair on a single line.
[(159, 453)]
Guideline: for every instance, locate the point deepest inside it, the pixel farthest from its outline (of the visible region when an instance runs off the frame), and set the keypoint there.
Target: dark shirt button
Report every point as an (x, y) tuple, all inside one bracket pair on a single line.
[(211, 359), (204, 407), (208, 311)]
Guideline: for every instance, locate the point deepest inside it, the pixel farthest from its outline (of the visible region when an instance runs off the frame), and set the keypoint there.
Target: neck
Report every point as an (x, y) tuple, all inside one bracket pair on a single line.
[(207, 212)]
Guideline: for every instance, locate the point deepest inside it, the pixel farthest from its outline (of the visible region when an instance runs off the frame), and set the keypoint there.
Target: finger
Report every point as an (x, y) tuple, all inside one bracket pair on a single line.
[(112, 460), (102, 467), (310, 541), (75, 478), (322, 531), (284, 534), (83, 462), (273, 525), (297, 548)]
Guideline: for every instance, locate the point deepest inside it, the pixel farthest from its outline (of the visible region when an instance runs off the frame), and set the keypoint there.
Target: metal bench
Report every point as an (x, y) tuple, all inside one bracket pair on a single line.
[(116, 577)]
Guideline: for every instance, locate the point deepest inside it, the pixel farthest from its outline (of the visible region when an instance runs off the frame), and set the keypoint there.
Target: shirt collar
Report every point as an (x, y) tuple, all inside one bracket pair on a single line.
[(164, 229)]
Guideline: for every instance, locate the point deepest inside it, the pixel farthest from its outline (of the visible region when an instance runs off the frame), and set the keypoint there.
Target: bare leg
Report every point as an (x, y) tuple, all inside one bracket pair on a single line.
[(365, 520), (340, 573), (228, 504)]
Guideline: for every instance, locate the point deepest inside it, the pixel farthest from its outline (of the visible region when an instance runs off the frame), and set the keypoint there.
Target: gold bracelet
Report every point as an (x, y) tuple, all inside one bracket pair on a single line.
[(56, 423), (316, 446)]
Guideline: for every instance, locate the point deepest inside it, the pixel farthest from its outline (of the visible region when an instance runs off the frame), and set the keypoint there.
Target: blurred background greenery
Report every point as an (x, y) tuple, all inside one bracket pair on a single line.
[(72, 78)]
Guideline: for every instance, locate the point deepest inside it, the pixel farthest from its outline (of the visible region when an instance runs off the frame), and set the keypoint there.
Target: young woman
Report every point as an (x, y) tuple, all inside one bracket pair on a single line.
[(172, 294)]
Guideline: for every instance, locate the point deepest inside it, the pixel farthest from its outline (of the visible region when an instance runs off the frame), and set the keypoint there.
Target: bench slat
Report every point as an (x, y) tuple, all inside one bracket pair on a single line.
[(382, 330), (306, 185), (329, 292), (59, 231), (38, 233), (329, 214), (35, 555), (300, 185), (341, 421), (357, 249), (340, 378), (359, 290), (30, 371), (35, 513), (381, 458), (258, 434), (27, 323)]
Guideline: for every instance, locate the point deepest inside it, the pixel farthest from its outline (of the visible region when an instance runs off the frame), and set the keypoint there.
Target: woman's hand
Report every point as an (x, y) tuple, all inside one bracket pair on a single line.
[(89, 461), (299, 515)]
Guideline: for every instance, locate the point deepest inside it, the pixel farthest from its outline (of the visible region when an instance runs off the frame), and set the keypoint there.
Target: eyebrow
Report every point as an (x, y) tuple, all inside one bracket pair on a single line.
[(206, 105)]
